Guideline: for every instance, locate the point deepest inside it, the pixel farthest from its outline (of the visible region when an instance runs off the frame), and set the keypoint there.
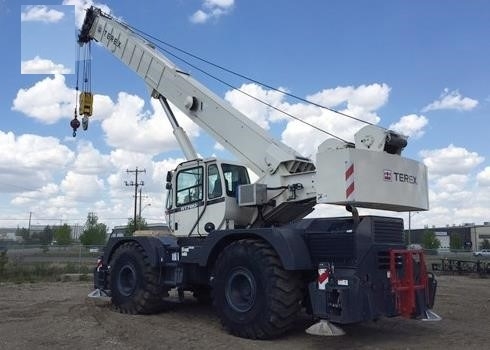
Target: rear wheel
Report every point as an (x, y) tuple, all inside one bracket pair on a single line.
[(253, 295), (133, 282)]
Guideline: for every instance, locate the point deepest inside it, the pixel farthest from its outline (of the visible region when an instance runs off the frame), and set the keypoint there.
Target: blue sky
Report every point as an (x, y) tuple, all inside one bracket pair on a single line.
[(419, 67), (42, 56)]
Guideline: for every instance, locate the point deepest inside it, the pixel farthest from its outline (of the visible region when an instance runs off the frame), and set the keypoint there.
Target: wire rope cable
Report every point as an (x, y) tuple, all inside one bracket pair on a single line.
[(154, 39)]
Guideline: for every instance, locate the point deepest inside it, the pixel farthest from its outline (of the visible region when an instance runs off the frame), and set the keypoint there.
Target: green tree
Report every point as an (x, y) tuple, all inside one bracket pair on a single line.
[(95, 233), (46, 236), (24, 233), (485, 244), (430, 241), (455, 242), (140, 225), (63, 235)]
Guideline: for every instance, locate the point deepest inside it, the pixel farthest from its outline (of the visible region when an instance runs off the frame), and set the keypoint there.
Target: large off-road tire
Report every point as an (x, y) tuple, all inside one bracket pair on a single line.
[(134, 283), (253, 295)]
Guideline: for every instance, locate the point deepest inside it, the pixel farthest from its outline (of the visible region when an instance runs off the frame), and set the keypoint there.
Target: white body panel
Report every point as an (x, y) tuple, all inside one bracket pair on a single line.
[(376, 180), (224, 215)]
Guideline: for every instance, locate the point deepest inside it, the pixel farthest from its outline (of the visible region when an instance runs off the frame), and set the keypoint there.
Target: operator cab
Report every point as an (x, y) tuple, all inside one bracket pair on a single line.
[(202, 197)]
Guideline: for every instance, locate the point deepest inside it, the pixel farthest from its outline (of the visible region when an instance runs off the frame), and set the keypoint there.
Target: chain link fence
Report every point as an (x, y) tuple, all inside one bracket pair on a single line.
[(31, 263)]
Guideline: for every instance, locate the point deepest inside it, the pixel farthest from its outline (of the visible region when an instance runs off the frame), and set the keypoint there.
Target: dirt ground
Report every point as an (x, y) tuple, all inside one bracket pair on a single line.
[(60, 316)]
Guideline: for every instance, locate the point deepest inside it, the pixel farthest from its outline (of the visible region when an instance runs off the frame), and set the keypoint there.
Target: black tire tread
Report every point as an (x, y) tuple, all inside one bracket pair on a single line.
[(150, 300), (283, 300)]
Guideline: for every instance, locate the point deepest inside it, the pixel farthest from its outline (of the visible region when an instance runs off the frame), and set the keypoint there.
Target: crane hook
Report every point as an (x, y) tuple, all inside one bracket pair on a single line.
[(75, 124), (84, 122)]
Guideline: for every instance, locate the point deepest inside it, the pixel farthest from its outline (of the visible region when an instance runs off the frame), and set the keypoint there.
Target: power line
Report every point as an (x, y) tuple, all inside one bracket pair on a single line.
[(146, 35), (255, 80)]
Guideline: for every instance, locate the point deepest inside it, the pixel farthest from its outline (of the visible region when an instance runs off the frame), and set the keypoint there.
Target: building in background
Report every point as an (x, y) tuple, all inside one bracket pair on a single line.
[(8, 234), (471, 234)]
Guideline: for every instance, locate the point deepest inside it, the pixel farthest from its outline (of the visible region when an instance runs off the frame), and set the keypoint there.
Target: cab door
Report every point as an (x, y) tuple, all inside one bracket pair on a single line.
[(214, 210), (187, 194)]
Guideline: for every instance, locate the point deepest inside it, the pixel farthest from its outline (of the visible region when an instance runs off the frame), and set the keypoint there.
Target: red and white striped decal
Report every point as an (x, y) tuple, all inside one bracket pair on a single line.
[(323, 276), (349, 181)]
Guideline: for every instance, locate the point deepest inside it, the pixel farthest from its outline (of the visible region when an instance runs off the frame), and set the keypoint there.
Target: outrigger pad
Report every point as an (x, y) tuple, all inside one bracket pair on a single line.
[(431, 316), (98, 293), (325, 328)]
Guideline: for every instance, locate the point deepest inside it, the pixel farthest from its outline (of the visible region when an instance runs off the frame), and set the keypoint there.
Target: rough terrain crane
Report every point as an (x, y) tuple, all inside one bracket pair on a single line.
[(247, 246)]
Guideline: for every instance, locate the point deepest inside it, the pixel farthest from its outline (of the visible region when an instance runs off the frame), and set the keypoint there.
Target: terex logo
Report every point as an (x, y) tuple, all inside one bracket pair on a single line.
[(111, 38), (389, 175)]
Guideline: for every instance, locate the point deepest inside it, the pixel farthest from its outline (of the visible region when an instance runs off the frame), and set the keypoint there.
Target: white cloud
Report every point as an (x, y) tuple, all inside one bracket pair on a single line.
[(450, 160), (130, 127), (81, 187), (218, 147), (361, 102), (126, 123), (369, 97), (160, 169), (218, 3), (27, 162), (41, 13), (454, 195), (411, 125), (455, 201), (89, 161), (32, 152), (153, 176), (46, 107), (31, 197), (40, 65), (253, 109), (103, 107), (123, 159), (89, 181), (199, 17), (451, 100), (452, 183), (211, 9), (483, 177)]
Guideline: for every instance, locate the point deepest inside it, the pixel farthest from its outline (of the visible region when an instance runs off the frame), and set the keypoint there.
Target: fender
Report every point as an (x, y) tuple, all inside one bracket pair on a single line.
[(288, 242), (156, 248)]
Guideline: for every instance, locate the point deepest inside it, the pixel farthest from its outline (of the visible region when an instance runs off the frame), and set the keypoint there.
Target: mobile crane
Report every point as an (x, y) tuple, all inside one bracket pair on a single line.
[(247, 246)]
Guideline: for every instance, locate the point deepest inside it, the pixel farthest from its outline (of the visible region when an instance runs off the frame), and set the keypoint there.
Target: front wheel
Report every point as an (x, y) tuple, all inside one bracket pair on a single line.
[(133, 282), (253, 295)]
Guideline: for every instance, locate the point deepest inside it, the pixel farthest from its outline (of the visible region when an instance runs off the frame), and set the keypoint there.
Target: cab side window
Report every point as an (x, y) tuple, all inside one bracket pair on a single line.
[(214, 182), (189, 186), (234, 176)]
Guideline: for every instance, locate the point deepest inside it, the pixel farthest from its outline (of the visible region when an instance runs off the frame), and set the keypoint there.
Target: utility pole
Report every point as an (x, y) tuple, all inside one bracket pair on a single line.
[(141, 198), (140, 204), (29, 229), (136, 184)]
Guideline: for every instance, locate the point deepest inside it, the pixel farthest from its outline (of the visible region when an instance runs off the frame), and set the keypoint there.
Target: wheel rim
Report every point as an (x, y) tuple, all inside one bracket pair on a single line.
[(126, 282), (241, 290)]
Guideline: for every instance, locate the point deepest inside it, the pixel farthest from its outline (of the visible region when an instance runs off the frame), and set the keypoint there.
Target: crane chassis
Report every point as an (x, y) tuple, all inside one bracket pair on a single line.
[(247, 248)]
